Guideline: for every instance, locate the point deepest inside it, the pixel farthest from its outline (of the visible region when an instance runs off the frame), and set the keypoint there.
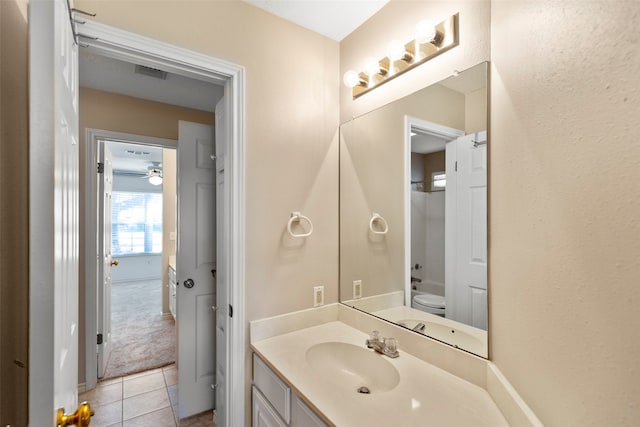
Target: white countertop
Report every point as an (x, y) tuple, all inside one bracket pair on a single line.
[(425, 395)]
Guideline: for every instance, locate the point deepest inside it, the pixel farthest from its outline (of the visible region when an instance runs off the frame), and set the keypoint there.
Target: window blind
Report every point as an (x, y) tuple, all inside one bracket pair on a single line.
[(136, 223)]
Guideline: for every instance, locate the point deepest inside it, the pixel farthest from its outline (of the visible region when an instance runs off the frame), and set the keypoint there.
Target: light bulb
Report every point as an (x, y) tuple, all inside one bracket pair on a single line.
[(155, 180), (396, 50), (425, 32), (371, 66), (351, 79)]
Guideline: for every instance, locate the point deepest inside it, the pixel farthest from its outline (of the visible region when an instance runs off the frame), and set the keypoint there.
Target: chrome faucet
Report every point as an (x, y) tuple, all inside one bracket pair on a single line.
[(386, 346), (415, 280), (419, 327)]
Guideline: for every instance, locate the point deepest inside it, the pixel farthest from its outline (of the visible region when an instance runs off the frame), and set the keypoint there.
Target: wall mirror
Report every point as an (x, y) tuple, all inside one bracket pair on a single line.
[(413, 211)]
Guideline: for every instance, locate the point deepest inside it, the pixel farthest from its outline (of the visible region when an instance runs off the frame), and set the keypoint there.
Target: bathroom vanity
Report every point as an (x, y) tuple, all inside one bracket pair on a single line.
[(315, 376)]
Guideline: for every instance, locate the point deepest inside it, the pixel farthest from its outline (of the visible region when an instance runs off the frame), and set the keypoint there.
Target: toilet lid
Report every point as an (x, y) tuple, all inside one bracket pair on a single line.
[(430, 300)]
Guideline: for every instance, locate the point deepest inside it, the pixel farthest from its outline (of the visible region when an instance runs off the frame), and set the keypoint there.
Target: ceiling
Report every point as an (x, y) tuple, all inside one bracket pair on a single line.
[(112, 75), (332, 18)]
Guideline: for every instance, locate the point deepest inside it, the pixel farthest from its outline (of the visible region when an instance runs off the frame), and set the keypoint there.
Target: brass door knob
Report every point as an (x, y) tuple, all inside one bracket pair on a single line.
[(80, 418), (115, 262)]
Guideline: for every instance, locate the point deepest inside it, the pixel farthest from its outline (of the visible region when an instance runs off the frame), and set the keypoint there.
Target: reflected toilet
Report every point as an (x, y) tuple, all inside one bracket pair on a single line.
[(428, 303)]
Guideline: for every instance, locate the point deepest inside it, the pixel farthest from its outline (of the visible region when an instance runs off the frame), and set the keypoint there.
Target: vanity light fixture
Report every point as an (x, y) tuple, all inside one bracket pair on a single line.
[(430, 40)]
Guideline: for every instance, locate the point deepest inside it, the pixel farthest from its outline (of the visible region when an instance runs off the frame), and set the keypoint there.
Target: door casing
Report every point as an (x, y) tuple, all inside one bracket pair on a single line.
[(126, 46)]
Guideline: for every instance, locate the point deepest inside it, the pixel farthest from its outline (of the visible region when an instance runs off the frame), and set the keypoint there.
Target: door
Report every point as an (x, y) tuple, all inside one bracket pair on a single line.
[(53, 217), (105, 261), (196, 268), (222, 242), (470, 235)]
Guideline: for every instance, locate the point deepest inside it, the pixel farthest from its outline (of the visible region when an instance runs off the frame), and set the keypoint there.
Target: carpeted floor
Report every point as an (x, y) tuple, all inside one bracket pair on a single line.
[(141, 338)]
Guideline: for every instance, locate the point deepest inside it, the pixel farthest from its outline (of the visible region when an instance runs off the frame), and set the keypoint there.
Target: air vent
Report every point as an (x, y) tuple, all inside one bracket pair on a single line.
[(151, 72), (137, 153)]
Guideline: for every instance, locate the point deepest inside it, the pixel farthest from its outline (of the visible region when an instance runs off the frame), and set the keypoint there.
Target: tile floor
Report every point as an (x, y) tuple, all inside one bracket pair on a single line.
[(145, 399)]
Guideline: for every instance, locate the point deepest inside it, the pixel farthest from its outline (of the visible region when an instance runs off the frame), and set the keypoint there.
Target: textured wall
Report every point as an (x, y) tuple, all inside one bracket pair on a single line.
[(14, 211), (565, 207)]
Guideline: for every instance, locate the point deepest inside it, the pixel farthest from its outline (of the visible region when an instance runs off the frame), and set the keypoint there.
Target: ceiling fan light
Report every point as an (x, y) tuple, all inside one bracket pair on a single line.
[(155, 180)]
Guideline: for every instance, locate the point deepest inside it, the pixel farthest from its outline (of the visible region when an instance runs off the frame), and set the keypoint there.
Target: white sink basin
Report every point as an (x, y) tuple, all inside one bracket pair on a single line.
[(351, 366)]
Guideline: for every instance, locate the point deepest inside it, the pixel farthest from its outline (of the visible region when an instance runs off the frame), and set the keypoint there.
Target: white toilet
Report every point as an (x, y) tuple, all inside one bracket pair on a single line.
[(429, 303)]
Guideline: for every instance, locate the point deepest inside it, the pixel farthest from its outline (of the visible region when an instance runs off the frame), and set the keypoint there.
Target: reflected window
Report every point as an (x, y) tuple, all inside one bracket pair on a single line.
[(438, 181)]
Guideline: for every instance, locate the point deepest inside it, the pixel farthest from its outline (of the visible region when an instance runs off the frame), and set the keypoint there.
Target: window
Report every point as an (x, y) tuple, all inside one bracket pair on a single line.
[(136, 223), (438, 181)]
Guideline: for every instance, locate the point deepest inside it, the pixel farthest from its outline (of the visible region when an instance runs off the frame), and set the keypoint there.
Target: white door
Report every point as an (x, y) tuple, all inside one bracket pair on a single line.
[(470, 305), (105, 261), (222, 242), (196, 268), (53, 217)]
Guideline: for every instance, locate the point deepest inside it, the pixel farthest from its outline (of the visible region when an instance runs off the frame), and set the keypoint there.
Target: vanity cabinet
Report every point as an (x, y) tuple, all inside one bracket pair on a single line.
[(173, 290), (275, 404)]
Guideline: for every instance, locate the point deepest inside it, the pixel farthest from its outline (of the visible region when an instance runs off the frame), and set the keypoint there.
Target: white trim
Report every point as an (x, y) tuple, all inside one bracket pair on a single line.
[(431, 129), (131, 47)]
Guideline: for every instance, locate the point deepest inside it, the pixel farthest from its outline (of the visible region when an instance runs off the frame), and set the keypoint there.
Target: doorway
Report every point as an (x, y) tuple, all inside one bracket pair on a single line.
[(142, 328), (155, 55)]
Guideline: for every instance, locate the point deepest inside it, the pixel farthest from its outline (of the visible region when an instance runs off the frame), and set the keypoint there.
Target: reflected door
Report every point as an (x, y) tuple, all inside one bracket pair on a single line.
[(467, 232)]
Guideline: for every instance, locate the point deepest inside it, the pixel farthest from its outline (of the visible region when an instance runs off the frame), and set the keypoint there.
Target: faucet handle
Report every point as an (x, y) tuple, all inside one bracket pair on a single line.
[(391, 345), (374, 340)]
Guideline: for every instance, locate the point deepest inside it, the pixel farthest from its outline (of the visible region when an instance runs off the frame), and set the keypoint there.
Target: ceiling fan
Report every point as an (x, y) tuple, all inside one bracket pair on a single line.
[(154, 173)]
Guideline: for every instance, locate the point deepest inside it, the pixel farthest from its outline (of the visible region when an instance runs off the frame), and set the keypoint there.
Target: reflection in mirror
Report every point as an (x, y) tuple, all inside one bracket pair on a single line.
[(413, 218)]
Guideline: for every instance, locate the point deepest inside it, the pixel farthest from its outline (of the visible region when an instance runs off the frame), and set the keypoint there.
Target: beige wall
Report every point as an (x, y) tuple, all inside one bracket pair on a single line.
[(565, 208), (119, 113), (433, 162), (291, 107), (475, 111), (14, 212)]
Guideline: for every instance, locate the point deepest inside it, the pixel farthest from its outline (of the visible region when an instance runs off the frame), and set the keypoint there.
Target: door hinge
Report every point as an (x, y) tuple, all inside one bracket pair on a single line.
[(100, 339), (456, 168), (230, 310), (100, 167)]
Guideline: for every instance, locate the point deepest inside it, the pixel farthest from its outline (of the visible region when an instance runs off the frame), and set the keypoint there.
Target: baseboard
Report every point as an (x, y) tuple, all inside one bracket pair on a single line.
[(82, 387)]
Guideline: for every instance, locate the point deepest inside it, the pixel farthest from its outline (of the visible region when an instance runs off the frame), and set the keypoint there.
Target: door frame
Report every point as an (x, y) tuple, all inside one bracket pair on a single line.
[(440, 131), (92, 137), (130, 47)]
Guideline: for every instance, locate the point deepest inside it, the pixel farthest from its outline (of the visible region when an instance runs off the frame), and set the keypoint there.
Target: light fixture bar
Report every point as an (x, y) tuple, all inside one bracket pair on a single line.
[(416, 52)]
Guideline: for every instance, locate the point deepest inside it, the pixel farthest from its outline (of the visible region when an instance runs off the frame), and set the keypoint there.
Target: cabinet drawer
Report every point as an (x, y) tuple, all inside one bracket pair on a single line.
[(273, 388), (263, 413)]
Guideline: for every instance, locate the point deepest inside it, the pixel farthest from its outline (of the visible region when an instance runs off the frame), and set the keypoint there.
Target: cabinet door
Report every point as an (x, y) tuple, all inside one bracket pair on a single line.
[(263, 414), (303, 416)]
